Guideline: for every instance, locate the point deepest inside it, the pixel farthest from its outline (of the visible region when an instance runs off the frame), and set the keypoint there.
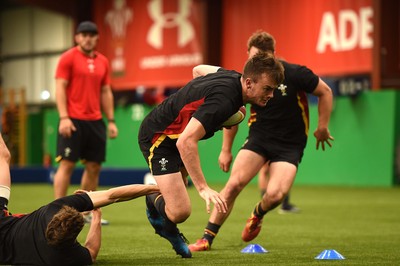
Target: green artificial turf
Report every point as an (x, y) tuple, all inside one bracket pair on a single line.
[(362, 224)]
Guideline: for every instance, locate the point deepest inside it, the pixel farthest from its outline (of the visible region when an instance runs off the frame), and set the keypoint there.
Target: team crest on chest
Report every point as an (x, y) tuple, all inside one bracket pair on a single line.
[(282, 89), (91, 65)]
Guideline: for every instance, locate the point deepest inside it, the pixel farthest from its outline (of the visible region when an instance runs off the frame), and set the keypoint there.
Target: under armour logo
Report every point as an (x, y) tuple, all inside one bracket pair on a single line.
[(163, 162), (282, 88), (169, 20)]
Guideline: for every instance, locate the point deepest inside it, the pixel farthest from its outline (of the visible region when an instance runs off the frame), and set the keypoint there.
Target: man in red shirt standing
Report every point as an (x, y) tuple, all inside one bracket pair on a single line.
[(83, 91)]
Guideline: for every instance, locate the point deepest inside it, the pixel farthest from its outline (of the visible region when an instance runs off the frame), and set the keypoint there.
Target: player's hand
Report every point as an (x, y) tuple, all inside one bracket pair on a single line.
[(322, 135), (66, 128), (225, 160), (112, 130), (213, 196), (96, 215)]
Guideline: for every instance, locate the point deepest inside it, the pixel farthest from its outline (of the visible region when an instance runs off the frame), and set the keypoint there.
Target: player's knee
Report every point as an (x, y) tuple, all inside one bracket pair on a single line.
[(234, 187), (275, 196), (179, 215), (93, 169)]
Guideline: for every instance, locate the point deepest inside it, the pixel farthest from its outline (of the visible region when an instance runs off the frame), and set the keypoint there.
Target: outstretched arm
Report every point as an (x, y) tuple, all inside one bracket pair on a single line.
[(103, 198), (325, 98)]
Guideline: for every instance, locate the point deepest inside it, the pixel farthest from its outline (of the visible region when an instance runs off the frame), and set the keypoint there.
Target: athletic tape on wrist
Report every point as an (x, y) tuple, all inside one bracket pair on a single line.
[(5, 192)]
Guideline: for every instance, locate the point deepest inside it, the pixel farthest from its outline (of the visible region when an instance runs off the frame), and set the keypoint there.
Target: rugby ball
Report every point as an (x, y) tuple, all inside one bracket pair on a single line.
[(236, 118)]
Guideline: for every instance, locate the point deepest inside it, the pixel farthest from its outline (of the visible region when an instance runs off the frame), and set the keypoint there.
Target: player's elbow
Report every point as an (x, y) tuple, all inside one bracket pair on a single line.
[(196, 71)]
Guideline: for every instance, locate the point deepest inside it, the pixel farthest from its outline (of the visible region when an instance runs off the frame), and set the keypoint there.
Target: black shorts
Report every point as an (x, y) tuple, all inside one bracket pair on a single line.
[(163, 156), (87, 143), (274, 152)]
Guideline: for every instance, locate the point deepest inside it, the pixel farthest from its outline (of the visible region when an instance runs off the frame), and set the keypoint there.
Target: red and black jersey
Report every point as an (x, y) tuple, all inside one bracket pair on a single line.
[(211, 99), (285, 118)]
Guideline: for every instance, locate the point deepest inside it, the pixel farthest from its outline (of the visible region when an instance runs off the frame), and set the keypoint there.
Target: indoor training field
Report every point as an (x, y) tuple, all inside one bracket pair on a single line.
[(362, 224)]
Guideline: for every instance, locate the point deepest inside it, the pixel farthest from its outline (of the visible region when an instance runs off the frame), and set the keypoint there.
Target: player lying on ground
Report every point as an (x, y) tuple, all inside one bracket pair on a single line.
[(48, 235)]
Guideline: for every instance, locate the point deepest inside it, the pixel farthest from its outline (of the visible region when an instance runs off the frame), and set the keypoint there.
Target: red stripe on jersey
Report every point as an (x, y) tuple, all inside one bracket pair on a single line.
[(183, 118)]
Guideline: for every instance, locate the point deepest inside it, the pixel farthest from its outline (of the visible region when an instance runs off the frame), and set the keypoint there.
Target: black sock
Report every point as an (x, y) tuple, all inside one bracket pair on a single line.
[(285, 202), (159, 204), (258, 211), (211, 231)]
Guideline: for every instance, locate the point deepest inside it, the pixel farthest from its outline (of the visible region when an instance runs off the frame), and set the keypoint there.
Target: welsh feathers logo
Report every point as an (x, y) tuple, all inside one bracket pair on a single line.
[(282, 89), (163, 162)]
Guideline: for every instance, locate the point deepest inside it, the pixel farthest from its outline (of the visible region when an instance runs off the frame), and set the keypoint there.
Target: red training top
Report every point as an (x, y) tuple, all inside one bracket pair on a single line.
[(86, 76)]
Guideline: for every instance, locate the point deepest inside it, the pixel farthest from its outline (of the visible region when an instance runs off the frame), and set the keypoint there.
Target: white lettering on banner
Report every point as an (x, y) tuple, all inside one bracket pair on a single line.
[(174, 60), (169, 20), (346, 38)]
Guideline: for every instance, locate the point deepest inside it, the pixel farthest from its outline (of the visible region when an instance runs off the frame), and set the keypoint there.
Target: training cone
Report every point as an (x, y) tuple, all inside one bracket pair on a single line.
[(329, 254), (254, 248)]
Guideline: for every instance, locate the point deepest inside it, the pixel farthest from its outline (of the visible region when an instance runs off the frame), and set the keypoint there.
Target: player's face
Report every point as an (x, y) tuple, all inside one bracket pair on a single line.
[(87, 41), (261, 91)]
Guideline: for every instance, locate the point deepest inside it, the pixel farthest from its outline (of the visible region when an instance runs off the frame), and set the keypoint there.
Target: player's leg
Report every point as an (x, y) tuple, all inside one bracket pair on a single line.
[(93, 154), (68, 152), (90, 176), (169, 207), (282, 175), (246, 165), (62, 178), (263, 178), (174, 194)]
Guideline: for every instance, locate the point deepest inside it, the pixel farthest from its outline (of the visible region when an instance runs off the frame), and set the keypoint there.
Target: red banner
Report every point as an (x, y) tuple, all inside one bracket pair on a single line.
[(150, 42), (331, 37)]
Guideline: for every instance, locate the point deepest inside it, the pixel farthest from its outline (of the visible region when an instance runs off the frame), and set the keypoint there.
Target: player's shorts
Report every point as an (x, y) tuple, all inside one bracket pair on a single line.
[(274, 152), (163, 156), (87, 143)]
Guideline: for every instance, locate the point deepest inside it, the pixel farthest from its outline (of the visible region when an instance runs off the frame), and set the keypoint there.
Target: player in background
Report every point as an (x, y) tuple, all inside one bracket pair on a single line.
[(83, 91), (277, 136)]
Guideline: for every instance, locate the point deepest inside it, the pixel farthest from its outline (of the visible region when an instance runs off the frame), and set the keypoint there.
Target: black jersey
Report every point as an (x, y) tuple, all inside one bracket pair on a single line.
[(22, 237), (211, 99), (285, 118)]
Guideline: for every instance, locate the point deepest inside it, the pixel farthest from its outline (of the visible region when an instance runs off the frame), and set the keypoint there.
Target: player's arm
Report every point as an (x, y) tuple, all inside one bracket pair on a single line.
[(103, 198), (107, 103), (187, 145), (202, 70), (325, 99), (66, 126), (225, 156), (93, 238)]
